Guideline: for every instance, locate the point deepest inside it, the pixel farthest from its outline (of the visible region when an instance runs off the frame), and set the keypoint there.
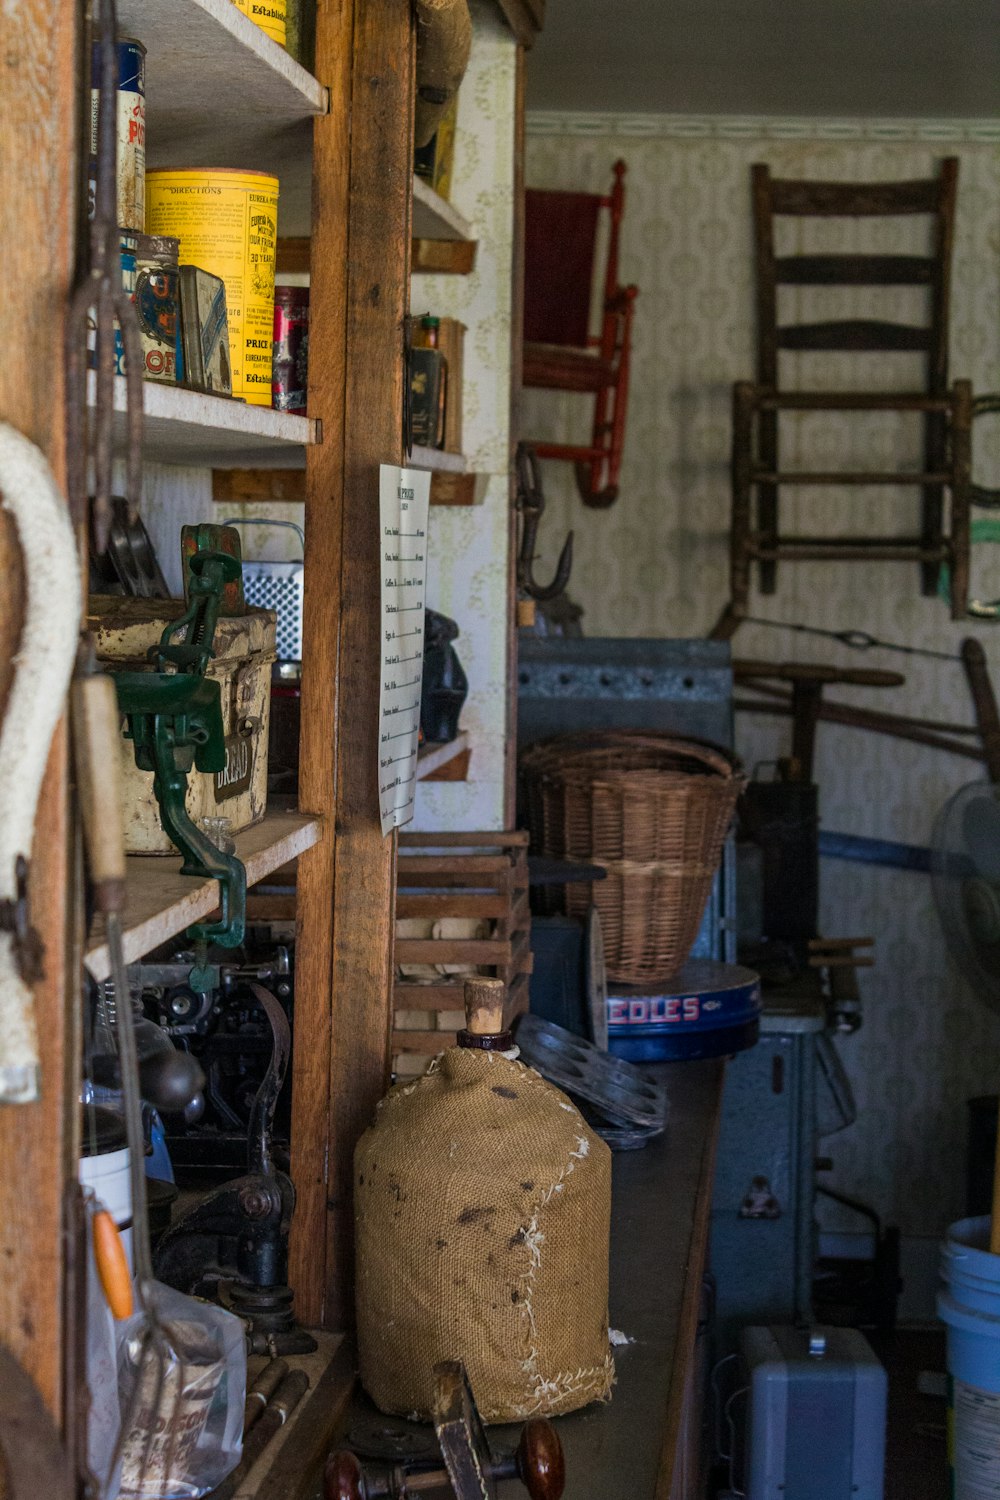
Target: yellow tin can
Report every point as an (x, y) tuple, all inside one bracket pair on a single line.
[(227, 223), (269, 15)]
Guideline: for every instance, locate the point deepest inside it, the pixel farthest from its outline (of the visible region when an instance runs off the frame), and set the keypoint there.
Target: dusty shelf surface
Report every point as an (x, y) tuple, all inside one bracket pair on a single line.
[(436, 459), (160, 902), (433, 757), (434, 218), (190, 427)]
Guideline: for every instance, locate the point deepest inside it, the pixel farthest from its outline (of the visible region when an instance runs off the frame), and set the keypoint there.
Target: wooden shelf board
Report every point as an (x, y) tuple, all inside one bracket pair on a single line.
[(262, 102), (432, 757), (436, 459), (160, 902), (434, 218), (190, 427)]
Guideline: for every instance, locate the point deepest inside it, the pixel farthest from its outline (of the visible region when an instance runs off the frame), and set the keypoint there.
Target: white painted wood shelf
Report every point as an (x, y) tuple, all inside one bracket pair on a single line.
[(434, 218), (221, 93), (161, 903), (433, 757), (216, 432), (436, 460)]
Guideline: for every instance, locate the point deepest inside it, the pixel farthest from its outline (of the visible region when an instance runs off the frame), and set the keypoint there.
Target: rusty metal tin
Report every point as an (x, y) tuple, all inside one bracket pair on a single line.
[(290, 359), (128, 243), (130, 153), (157, 304)]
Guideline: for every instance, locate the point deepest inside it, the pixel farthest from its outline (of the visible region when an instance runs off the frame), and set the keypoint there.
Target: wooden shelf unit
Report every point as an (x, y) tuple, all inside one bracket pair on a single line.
[(431, 758), (160, 902), (192, 428), (220, 93), (434, 218)]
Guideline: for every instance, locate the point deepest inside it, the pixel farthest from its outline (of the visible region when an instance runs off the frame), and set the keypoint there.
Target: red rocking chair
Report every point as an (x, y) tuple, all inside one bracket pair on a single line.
[(560, 354)]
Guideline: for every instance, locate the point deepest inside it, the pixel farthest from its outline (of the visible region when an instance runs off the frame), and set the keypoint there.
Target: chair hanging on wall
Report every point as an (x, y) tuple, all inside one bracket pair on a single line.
[(947, 413), (560, 354)]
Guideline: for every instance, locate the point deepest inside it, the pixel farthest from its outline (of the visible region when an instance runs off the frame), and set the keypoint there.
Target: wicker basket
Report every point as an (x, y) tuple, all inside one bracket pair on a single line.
[(654, 811)]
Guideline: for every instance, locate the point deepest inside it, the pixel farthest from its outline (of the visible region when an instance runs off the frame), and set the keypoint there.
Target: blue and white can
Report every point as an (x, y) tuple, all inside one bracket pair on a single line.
[(130, 152)]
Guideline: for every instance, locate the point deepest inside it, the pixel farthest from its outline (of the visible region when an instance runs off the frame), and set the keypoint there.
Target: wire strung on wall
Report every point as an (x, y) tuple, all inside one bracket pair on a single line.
[(857, 640)]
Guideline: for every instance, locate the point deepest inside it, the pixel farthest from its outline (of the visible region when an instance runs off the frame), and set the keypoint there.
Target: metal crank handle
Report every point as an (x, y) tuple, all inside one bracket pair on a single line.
[(538, 1463)]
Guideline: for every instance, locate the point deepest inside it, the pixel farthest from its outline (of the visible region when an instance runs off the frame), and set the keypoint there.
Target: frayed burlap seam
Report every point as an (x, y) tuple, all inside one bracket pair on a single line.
[(545, 1390)]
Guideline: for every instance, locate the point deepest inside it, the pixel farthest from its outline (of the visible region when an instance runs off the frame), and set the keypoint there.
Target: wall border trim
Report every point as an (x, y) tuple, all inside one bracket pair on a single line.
[(741, 127)]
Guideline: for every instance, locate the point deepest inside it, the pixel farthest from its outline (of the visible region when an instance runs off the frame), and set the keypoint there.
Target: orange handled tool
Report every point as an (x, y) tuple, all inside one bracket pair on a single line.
[(112, 1265)]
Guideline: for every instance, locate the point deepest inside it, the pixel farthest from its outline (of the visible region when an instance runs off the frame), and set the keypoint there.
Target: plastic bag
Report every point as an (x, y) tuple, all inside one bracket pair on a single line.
[(103, 1413), (182, 1391)]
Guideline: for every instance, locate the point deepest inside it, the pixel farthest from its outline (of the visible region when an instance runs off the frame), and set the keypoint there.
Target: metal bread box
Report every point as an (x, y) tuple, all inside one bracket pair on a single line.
[(124, 630), (816, 1410)]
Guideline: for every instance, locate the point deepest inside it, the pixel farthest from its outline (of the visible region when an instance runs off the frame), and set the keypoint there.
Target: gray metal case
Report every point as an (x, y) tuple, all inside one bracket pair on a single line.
[(815, 1425)]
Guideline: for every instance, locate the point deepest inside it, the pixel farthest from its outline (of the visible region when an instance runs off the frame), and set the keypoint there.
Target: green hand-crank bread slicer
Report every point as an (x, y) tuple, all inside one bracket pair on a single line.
[(175, 722)]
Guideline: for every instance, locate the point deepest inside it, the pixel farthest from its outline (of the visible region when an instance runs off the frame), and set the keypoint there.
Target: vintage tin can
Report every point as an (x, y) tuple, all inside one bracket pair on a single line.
[(227, 222), (128, 243), (269, 15), (130, 152), (290, 364), (205, 331), (157, 304)]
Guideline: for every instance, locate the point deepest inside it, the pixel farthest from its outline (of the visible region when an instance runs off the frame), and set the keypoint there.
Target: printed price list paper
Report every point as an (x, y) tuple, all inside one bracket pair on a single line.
[(404, 495)]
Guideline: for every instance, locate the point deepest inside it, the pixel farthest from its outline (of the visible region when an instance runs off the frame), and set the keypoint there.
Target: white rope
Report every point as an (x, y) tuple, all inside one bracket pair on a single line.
[(43, 667)]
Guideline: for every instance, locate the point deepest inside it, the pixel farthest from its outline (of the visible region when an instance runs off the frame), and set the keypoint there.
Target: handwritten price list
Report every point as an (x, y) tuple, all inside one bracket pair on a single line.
[(404, 495)]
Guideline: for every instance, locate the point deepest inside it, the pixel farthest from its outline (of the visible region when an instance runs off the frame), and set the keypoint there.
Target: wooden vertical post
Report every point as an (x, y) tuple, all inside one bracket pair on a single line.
[(516, 387), (38, 1142), (361, 248)]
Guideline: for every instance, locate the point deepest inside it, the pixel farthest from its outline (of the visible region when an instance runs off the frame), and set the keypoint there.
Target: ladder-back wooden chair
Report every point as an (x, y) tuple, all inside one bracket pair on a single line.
[(947, 413), (560, 354)]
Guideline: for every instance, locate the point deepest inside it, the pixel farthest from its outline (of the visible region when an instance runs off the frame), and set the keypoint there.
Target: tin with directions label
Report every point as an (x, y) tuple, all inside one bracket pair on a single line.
[(130, 151), (227, 222), (269, 15)]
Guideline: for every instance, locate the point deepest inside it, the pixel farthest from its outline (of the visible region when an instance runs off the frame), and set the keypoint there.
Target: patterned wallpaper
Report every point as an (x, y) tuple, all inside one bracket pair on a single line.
[(468, 547), (655, 564)]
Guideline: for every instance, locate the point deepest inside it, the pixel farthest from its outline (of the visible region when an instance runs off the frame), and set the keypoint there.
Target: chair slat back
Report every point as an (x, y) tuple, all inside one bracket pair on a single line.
[(786, 197), (560, 244)]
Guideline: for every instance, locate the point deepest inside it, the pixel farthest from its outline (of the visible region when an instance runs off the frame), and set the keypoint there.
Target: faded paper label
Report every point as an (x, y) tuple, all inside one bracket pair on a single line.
[(404, 495)]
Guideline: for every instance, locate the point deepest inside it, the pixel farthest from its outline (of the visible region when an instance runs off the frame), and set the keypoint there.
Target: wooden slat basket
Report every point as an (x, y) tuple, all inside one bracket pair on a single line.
[(654, 812), (461, 908)]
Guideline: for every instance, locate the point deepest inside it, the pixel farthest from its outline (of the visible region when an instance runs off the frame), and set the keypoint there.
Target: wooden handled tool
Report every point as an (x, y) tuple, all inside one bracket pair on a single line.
[(99, 780), (984, 702), (261, 1391), (112, 1265), (538, 1463)]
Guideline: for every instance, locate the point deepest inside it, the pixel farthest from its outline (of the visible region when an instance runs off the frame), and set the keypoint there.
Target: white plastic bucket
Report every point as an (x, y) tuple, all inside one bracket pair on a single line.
[(969, 1305), (108, 1176)]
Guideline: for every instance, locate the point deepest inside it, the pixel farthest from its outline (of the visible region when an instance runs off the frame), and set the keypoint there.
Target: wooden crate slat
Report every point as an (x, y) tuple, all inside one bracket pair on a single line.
[(426, 1042), (501, 880), (451, 904), (452, 951), (518, 838), (411, 865)]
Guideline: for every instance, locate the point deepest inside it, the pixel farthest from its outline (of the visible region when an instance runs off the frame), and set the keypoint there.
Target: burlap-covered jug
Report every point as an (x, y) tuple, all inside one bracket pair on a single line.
[(482, 1210)]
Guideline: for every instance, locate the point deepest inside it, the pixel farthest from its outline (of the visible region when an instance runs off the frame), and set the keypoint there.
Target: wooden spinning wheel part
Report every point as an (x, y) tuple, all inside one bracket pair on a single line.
[(470, 1471), (807, 680)]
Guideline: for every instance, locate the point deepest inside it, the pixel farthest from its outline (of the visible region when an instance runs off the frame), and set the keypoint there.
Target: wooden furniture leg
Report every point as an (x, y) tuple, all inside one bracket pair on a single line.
[(740, 536), (932, 504), (767, 500), (807, 698), (961, 500)]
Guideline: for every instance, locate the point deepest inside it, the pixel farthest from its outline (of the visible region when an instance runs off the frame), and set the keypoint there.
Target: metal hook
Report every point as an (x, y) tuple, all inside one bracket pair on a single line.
[(531, 503)]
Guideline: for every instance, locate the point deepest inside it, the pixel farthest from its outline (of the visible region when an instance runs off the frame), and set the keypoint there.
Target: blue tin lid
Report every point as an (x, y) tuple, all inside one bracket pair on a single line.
[(703, 996)]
